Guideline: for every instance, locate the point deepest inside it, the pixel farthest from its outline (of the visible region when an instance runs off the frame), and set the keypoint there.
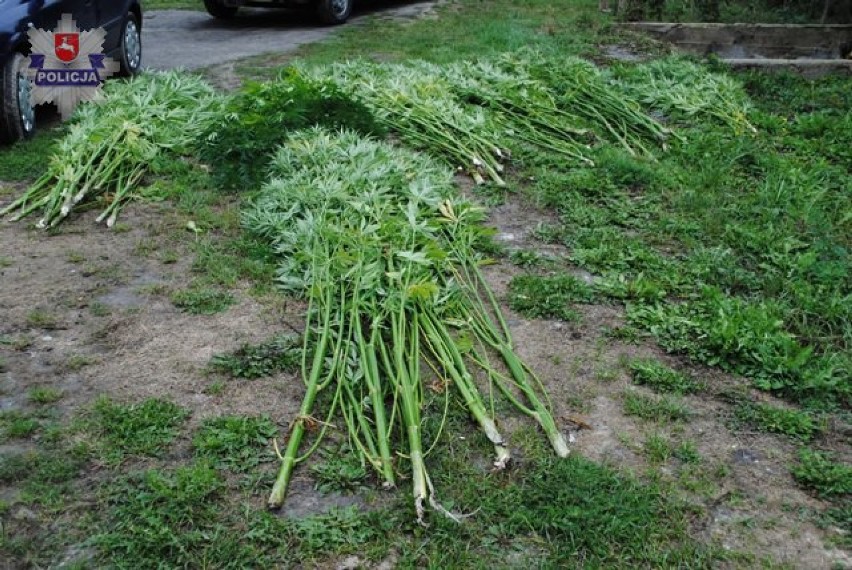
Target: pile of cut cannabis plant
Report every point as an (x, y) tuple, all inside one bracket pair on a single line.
[(476, 114), (385, 253), (111, 146)]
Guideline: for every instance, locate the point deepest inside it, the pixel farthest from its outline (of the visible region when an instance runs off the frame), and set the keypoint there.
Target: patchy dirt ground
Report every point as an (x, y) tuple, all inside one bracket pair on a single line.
[(747, 499), (89, 312)]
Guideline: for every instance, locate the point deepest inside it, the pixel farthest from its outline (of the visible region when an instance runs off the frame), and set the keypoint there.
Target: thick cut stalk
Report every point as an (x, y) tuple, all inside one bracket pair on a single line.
[(288, 461), (447, 353), (410, 403), (374, 385), (542, 414)]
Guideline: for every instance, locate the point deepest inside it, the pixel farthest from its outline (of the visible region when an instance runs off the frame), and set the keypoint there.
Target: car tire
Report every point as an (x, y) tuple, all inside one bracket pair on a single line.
[(218, 10), (130, 55), (17, 115), (334, 12)]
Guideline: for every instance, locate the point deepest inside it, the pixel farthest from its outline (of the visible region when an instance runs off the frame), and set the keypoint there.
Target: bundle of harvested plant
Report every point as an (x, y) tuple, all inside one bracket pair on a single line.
[(680, 89), (586, 92), (109, 147), (375, 239), (475, 114)]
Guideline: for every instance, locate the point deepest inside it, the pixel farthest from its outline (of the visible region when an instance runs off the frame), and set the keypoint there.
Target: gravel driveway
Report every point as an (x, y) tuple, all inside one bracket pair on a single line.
[(191, 40)]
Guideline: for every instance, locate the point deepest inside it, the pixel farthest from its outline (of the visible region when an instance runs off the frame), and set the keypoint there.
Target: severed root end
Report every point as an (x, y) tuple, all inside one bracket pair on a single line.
[(560, 446), (421, 512), (502, 459)]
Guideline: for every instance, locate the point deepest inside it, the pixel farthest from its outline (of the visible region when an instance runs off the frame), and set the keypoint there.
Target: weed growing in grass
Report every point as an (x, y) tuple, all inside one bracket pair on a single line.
[(146, 428), (45, 395), (628, 334), (742, 337), (657, 409), (18, 342), (819, 472), (25, 160), (199, 300), (339, 471), (169, 518), (77, 362), (236, 443), (281, 353), (549, 297), (841, 519), (41, 319), (16, 424), (575, 509), (657, 449), (99, 309), (688, 453), (180, 518), (44, 477), (75, 257), (715, 272), (786, 421), (528, 258), (653, 373)]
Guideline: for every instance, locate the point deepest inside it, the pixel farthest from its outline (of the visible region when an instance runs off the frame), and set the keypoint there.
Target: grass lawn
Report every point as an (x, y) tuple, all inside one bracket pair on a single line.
[(723, 262)]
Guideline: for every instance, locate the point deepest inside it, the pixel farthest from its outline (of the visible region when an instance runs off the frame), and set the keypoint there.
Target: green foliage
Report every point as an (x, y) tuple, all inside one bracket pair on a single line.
[(15, 424), (751, 281), (731, 11), (147, 428), (748, 338), (199, 300), (688, 453), (627, 334), (109, 147), (819, 472), (786, 421), (260, 117), (39, 318), (683, 90), (550, 297), (653, 373), (172, 518), (44, 477), (658, 449), (841, 518), (236, 443), (179, 519), (657, 409), (527, 258), (45, 395), (25, 160), (281, 353), (340, 471), (578, 511)]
